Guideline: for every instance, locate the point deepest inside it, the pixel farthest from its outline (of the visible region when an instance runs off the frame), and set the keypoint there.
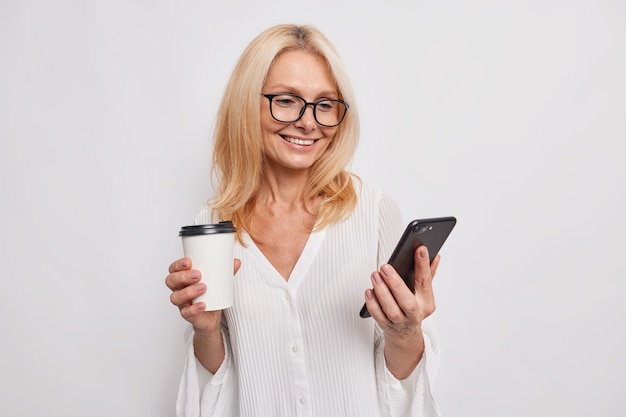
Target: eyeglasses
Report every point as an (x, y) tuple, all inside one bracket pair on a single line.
[(289, 108)]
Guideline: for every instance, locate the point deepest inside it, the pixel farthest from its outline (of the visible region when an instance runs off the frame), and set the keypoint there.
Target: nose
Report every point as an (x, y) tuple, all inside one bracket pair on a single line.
[(307, 121)]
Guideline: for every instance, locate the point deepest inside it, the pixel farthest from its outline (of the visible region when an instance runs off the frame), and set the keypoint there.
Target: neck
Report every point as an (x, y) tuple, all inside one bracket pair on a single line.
[(277, 191), (283, 190)]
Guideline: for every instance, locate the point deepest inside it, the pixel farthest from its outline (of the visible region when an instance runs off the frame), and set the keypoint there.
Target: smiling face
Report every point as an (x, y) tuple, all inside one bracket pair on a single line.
[(297, 145)]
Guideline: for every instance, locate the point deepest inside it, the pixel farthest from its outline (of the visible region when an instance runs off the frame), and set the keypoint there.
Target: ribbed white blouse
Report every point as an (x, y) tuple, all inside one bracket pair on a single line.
[(299, 347)]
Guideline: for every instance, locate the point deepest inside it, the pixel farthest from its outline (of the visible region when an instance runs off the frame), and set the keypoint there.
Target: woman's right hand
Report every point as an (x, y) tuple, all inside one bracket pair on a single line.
[(185, 285)]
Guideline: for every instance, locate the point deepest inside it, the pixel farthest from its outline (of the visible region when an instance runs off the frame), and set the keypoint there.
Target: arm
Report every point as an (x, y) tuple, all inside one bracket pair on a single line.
[(405, 367), (412, 396), (207, 386), (208, 342), (410, 353), (205, 394), (209, 349), (400, 313)]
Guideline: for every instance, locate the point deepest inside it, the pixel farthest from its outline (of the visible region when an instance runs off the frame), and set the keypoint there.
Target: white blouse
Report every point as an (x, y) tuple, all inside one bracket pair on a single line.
[(299, 347)]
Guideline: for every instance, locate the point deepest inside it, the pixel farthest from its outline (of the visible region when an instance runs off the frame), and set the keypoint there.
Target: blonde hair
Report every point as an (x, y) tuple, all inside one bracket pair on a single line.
[(238, 150)]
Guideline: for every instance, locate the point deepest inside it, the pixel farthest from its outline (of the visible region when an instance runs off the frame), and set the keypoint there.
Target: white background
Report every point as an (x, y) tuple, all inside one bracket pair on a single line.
[(509, 115)]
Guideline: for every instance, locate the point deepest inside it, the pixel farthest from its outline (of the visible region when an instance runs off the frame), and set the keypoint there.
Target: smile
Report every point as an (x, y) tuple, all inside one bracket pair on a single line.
[(295, 141)]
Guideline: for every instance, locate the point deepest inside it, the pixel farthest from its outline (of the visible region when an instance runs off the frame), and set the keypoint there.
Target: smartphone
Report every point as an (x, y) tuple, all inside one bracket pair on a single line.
[(429, 232)]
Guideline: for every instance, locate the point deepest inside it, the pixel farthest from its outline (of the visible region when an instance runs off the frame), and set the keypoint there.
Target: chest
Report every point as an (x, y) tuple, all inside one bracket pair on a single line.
[(282, 242), (331, 272), (284, 331)]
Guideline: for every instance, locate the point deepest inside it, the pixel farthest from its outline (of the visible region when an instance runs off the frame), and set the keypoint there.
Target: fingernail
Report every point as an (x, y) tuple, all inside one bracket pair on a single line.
[(194, 275), (387, 270), (423, 252), (376, 279), (184, 263), (369, 294), (199, 287)]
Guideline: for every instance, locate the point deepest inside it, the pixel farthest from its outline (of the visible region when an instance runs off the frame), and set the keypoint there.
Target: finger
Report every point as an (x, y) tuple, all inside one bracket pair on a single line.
[(423, 275), (191, 311), (179, 280), (180, 265), (402, 295), (424, 280), (237, 265), (186, 295), (386, 288), (374, 308)]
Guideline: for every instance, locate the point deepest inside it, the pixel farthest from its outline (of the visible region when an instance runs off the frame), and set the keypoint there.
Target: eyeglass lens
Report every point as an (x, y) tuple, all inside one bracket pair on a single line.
[(289, 108)]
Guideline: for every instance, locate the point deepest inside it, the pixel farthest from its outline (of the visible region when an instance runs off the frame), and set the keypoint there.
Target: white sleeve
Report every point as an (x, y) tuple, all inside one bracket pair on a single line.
[(411, 396), (203, 394)]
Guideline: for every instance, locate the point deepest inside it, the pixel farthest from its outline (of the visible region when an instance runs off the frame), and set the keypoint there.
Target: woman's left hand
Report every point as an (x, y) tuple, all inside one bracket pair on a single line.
[(400, 313)]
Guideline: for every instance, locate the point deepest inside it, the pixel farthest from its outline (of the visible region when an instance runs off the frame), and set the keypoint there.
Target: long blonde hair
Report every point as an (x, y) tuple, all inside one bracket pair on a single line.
[(238, 150)]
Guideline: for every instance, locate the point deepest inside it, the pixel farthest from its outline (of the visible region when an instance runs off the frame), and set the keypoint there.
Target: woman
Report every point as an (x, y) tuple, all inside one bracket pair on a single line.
[(309, 234)]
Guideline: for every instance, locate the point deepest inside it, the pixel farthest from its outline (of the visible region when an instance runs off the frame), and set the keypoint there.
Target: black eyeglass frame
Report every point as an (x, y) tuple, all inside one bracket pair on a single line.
[(270, 98)]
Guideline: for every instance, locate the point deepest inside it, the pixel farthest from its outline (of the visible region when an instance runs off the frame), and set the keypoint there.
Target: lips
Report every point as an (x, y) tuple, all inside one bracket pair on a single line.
[(296, 141)]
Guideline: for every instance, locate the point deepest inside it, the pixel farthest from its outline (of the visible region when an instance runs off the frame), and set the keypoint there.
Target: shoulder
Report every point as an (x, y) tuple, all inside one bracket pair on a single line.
[(373, 194), (367, 190), (204, 216)]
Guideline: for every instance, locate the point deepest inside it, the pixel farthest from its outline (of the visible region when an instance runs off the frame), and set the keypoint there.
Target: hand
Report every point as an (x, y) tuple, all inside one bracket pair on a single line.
[(398, 311), (185, 285)]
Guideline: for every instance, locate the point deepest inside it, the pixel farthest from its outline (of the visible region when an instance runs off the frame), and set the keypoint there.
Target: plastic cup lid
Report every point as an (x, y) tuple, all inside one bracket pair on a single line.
[(207, 229)]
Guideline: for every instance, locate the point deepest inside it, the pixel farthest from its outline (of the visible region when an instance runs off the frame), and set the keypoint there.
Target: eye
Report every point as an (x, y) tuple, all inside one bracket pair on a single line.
[(286, 101), (326, 105)]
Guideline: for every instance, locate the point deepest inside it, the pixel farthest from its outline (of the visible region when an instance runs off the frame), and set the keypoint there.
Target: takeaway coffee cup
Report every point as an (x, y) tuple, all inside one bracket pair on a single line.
[(210, 248)]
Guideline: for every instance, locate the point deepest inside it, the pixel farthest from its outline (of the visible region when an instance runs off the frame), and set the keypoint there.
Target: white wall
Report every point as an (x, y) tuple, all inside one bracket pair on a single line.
[(508, 115)]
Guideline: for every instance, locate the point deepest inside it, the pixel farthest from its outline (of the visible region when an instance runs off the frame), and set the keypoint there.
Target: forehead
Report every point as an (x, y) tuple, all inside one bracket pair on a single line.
[(300, 71)]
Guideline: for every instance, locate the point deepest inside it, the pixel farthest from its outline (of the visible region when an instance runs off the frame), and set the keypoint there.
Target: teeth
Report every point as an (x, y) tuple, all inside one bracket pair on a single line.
[(295, 141)]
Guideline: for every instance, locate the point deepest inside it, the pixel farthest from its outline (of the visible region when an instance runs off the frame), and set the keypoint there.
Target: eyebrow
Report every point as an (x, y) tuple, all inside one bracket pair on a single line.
[(290, 89)]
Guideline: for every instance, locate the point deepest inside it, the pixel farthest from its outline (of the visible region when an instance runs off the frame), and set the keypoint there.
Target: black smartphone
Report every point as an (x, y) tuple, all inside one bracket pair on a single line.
[(429, 232)]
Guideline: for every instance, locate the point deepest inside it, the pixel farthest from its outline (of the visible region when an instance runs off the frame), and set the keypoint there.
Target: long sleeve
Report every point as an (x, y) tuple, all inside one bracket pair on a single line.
[(202, 394), (298, 347), (413, 395)]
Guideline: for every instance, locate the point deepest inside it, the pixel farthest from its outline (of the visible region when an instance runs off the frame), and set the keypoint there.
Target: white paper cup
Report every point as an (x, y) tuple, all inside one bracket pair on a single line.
[(210, 248)]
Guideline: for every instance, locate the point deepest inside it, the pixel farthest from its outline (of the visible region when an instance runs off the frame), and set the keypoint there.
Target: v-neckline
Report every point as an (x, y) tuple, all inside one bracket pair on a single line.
[(300, 269)]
